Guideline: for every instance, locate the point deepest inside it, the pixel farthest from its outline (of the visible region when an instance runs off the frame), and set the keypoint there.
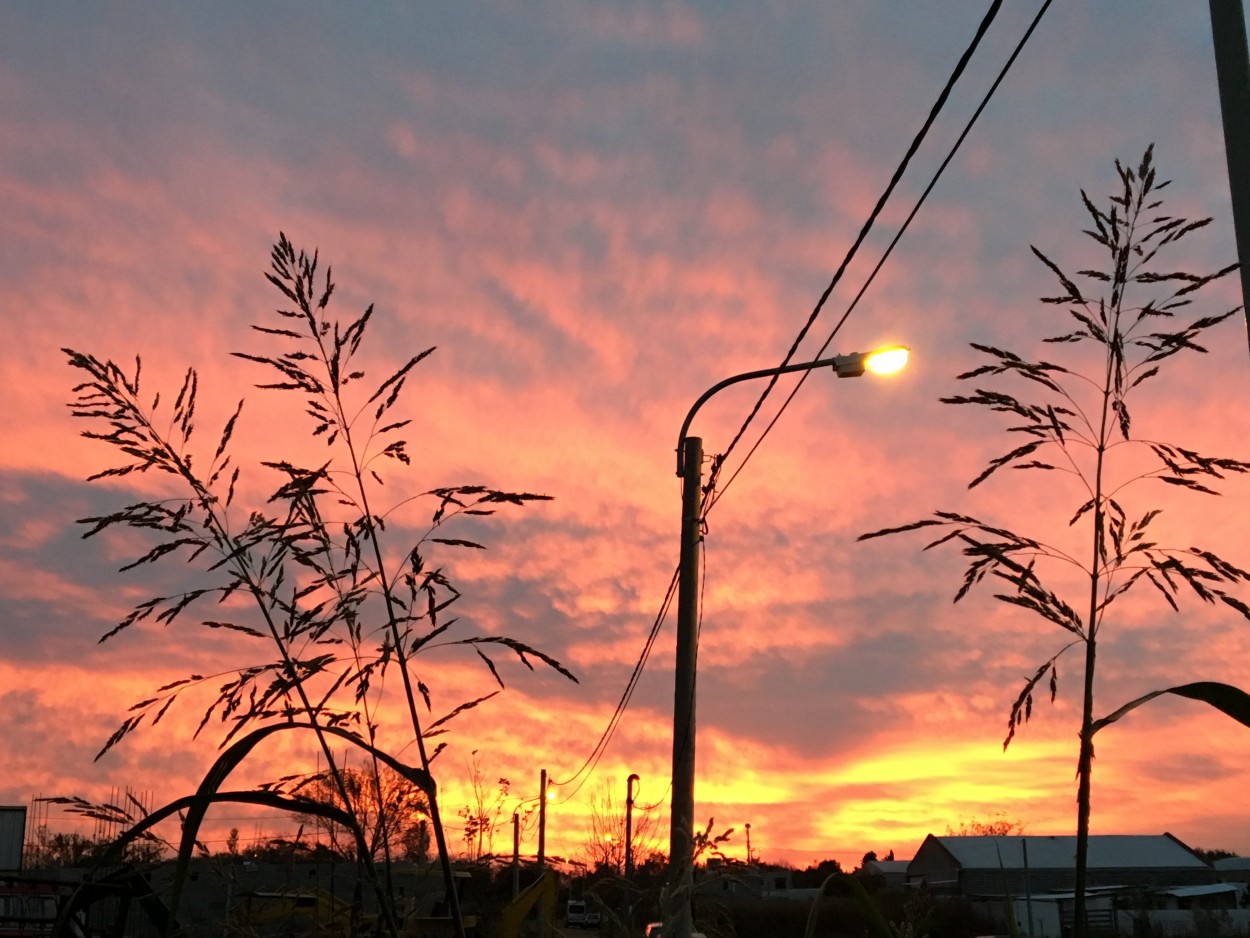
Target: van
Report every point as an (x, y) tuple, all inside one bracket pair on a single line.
[(575, 912)]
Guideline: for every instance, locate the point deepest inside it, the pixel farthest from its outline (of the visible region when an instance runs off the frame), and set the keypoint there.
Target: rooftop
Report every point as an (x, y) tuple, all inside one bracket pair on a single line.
[(1119, 851)]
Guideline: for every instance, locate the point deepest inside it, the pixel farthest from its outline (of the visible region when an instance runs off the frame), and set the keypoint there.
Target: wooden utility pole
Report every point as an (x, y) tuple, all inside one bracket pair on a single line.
[(678, 912), (516, 854), (542, 821)]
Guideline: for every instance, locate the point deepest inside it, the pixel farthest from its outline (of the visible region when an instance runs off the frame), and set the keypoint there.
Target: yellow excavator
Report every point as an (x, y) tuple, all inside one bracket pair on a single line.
[(543, 893)]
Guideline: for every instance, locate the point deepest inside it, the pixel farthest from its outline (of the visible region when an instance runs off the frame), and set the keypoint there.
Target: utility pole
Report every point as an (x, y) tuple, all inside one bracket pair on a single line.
[(678, 914), (678, 904), (1232, 69), (542, 821), (629, 825), (516, 854)]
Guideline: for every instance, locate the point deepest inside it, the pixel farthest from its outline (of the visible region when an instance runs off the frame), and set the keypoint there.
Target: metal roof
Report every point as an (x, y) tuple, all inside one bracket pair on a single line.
[(1182, 892), (1106, 851), (887, 866)]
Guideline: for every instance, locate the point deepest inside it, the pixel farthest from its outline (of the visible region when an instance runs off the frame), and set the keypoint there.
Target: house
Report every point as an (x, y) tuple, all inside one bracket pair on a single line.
[(893, 873), (986, 867), (1233, 869), (729, 881), (1219, 896), (1129, 877)]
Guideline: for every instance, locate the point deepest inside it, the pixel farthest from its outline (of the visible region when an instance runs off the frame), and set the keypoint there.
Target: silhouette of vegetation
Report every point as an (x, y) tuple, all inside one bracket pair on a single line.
[(815, 874), (1073, 423), (1214, 854), (604, 846), (314, 572), (997, 825), (709, 843), (483, 818), (870, 919), (390, 812), (143, 849), (53, 851)]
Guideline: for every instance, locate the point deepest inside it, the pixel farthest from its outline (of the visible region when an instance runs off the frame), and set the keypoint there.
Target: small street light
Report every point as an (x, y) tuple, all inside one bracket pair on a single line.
[(545, 794), (678, 917), (629, 824)]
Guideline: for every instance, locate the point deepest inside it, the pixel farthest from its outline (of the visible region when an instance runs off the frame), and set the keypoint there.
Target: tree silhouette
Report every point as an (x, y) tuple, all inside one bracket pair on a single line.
[(389, 810)]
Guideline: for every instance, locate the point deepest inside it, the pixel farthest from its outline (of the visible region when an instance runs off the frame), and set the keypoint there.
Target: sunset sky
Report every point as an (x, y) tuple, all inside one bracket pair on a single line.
[(595, 211)]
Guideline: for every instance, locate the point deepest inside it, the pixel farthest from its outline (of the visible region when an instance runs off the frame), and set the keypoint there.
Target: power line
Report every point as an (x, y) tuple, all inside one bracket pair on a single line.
[(960, 66), (593, 759), (597, 753), (985, 100), (712, 494)]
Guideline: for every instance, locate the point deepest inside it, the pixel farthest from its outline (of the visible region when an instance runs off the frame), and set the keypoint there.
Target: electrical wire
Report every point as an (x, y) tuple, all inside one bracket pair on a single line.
[(596, 754), (663, 800), (960, 66), (985, 100), (592, 760), (712, 493), (587, 767)]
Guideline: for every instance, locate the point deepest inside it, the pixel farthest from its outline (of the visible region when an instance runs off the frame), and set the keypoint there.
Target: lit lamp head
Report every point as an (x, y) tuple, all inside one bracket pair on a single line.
[(882, 361)]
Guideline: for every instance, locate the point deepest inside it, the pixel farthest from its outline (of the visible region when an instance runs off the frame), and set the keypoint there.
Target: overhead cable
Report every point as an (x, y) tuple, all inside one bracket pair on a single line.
[(597, 753), (982, 29), (985, 100), (713, 494)]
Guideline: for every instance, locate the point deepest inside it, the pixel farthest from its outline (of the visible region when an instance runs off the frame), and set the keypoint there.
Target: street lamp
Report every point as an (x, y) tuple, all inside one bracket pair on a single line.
[(545, 794), (629, 824), (678, 919)]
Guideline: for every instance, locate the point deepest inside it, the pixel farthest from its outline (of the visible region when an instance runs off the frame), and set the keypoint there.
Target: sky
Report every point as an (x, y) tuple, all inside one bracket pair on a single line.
[(594, 211)]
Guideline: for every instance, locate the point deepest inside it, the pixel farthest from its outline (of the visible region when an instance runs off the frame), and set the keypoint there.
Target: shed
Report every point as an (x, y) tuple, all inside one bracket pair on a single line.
[(1215, 896), (892, 872), (982, 867), (1233, 869)]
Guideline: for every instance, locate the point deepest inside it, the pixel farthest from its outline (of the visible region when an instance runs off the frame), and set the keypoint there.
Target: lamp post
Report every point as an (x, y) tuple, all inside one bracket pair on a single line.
[(516, 854), (543, 795), (678, 917), (629, 824)]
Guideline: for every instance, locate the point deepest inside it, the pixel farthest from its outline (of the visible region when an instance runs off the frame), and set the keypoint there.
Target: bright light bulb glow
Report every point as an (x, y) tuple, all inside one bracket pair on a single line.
[(886, 361)]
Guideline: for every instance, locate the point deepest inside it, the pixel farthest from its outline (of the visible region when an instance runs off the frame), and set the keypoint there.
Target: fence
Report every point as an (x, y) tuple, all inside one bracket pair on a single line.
[(1173, 923)]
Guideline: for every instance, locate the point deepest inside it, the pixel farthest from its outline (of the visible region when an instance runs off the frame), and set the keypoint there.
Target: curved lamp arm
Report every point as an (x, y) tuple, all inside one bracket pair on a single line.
[(845, 366)]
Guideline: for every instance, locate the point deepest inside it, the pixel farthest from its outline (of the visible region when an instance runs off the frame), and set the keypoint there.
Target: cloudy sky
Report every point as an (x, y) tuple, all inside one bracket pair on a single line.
[(595, 211)]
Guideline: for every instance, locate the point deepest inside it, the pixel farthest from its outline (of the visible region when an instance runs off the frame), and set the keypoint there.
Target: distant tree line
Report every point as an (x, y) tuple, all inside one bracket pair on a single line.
[(46, 850)]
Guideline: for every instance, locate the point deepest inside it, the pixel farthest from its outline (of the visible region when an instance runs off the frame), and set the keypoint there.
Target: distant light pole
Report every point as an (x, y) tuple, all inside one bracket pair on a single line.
[(678, 917), (516, 854), (543, 795), (629, 825)]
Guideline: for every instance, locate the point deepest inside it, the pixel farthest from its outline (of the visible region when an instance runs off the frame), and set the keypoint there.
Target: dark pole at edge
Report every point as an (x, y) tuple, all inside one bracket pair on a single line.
[(1232, 69)]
